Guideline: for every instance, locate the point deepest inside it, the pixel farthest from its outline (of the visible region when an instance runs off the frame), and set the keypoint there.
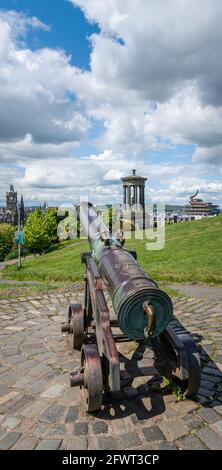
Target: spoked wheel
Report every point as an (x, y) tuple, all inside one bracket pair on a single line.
[(76, 322), (92, 379)]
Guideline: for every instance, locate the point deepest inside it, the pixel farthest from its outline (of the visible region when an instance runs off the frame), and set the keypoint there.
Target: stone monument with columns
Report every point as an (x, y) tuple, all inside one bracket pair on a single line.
[(134, 190), (134, 198)]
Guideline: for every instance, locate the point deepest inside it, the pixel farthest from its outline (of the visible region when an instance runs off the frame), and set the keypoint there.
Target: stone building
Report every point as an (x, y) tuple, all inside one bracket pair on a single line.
[(9, 213), (134, 200), (134, 190)]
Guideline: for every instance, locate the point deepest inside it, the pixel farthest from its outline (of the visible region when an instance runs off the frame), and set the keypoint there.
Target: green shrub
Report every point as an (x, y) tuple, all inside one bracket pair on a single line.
[(6, 240)]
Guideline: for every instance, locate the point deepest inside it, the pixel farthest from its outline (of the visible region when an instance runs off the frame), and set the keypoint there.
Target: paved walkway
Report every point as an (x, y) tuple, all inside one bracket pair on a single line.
[(12, 282), (7, 263), (198, 291), (38, 409)]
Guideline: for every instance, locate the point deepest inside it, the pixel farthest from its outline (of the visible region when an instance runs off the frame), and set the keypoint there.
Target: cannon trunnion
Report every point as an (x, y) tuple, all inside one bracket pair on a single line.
[(143, 313)]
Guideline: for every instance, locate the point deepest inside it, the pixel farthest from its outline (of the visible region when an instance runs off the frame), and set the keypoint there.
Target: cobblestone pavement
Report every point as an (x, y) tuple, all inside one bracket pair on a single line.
[(39, 410)]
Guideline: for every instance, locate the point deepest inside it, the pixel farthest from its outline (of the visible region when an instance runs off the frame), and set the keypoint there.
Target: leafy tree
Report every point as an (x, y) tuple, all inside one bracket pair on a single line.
[(36, 231), (51, 221), (6, 240), (108, 217)]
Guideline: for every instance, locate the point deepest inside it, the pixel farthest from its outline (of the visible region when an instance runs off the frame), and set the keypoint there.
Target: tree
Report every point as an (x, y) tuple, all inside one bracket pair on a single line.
[(36, 231), (6, 240), (109, 218), (51, 221)]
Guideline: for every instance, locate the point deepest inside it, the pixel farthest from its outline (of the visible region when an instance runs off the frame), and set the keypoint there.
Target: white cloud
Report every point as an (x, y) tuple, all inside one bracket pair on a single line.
[(211, 155), (20, 23), (154, 83), (35, 89), (62, 173), (113, 175), (25, 149), (183, 119), (102, 157), (161, 84), (5, 42), (165, 45)]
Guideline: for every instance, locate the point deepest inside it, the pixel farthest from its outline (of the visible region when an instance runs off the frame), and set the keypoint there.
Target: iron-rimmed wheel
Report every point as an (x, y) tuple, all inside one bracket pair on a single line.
[(76, 321), (93, 381)]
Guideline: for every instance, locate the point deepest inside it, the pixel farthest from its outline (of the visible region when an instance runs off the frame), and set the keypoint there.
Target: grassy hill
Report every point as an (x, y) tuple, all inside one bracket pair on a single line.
[(192, 253)]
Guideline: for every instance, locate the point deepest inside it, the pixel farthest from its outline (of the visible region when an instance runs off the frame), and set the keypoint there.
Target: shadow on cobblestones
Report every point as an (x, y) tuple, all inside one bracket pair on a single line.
[(146, 399), (136, 396)]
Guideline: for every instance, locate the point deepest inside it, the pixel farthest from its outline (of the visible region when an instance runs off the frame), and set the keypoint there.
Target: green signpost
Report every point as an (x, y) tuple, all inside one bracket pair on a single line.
[(19, 237)]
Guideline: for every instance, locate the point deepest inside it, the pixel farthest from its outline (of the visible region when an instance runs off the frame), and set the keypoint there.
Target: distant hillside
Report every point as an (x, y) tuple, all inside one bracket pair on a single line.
[(174, 208)]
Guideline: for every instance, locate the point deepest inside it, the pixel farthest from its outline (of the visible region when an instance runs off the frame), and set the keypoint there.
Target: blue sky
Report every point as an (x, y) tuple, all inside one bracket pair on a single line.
[(95, 89), (69, 28)]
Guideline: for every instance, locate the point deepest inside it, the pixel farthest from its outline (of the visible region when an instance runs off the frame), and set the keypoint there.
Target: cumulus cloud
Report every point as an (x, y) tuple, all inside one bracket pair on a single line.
[(62, 173), (211, 155), (35, 90), (25, 149), (155, 81), (163, 45), (113, 175), (184, 119), (20, 23), (108, 154)]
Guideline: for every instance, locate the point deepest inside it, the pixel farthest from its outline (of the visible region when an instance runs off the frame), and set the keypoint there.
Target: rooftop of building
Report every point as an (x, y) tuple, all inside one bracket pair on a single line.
[(133, 177)]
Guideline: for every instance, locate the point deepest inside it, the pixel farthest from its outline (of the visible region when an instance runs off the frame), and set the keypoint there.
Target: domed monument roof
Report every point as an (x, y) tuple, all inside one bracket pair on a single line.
[(133, 177)]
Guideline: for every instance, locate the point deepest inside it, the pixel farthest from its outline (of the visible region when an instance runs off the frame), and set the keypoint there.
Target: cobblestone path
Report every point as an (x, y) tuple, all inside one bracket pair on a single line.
[(39, 410)]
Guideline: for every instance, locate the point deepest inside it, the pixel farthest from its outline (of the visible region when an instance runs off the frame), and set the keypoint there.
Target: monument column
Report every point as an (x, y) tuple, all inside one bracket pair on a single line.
[(129, 195), (143, 197), (134, 193), (124, 196), (135, 189)]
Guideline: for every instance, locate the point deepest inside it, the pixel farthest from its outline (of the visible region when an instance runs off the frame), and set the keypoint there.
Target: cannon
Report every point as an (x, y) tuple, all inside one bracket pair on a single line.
[(142, 313)]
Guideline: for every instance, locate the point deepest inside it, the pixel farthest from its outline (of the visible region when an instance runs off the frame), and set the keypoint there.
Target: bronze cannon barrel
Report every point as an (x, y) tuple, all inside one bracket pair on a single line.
[(141, 308)]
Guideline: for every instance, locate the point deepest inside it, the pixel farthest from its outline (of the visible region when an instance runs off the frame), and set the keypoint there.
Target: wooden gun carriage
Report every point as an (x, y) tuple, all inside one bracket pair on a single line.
[(143, 313)]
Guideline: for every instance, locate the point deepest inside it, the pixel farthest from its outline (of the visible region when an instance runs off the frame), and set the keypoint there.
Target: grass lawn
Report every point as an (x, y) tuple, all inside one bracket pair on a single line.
[(192, 253), (63, 265)]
